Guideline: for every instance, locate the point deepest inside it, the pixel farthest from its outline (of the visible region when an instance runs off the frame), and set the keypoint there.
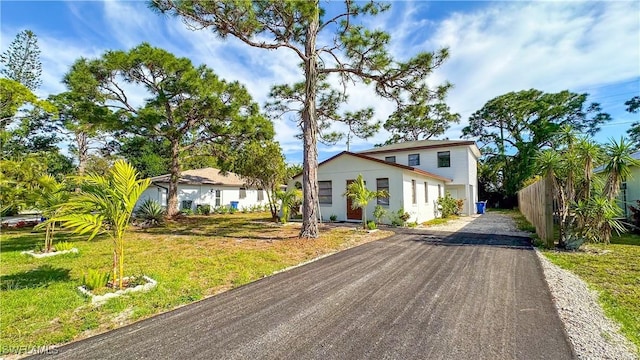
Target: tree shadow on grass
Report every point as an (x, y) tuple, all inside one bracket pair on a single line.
[(34, 278), (28, 239)]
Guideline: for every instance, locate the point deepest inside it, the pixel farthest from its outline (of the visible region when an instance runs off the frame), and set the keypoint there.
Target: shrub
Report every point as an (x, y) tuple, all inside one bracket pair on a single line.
[(203, 209), (371, 225), (95, 279), (151, 212), (333, 217), (186, 211), (379, 212), (449, 206), (412, 224), (64, 246), (399, 218), (232, 210)]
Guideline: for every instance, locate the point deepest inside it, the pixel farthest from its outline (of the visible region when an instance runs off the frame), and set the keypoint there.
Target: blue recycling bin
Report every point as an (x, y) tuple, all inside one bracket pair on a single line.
[(480, 207), (234, 205)]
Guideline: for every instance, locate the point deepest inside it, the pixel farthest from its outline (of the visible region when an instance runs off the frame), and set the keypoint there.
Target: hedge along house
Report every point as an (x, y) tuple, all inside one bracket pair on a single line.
[(414, 173), (206, 186)]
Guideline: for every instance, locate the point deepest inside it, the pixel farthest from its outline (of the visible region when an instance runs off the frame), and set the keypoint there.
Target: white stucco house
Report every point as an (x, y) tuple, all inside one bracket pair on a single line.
[(205, 186), (414, 173), (629, 189)]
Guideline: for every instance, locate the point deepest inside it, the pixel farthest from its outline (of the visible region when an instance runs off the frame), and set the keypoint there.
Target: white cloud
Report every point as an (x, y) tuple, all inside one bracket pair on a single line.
[(550, 46)]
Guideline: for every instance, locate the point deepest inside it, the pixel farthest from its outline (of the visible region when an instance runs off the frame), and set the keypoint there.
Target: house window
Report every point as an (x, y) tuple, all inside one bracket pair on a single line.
[(391, 159), (324, 193), (383, 184), (186, 204), (426, 192), (218, 198), (439, 190), (444, 159), (414, 159), (243, 193), (414, 198), (260, 195)]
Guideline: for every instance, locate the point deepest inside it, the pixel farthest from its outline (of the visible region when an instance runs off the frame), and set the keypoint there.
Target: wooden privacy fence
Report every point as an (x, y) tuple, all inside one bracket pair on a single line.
[(536, 204)]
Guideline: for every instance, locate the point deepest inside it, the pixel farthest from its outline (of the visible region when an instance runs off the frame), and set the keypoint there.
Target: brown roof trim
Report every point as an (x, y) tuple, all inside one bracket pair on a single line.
[(459, 143), (399, 166)]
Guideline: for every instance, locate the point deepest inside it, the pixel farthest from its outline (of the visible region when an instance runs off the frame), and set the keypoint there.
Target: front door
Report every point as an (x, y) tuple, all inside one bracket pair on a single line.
[(352, 214)]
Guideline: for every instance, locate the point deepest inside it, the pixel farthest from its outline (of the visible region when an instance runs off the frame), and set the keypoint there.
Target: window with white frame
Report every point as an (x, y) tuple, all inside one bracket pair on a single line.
[(414, 159), (439, 190), (325, 193), (383, 184), (243, 193), (218, 197), (390, 159), (260, 195)]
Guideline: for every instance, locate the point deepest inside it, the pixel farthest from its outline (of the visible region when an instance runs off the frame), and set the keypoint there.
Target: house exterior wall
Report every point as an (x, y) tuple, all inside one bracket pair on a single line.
[(203, 194), (423, 208), (346, 167), (633, 189), (463, 170)]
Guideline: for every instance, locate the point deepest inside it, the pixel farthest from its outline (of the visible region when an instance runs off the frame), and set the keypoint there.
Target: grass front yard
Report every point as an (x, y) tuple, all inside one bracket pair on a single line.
[(191, 259), (614, 271)]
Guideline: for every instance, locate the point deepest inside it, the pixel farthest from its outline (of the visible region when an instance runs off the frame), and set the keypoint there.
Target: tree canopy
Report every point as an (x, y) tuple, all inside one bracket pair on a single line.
[(22, 60), (327, 43), (188, 106), (512, 127)]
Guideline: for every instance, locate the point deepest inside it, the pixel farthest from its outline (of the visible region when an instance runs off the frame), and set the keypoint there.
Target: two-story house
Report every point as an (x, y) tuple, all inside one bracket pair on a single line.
[(414, 173)]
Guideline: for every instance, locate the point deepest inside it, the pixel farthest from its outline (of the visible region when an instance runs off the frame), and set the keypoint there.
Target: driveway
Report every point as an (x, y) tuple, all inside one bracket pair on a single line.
[(417, 295)]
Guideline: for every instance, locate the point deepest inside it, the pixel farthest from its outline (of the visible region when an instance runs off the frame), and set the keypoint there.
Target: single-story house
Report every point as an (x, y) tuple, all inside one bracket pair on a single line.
[(414, 173), (205, 186)]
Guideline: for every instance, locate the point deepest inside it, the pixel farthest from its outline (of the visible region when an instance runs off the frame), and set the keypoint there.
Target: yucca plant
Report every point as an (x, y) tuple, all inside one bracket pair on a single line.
[(361, 196), (151, 212), (104, 204)]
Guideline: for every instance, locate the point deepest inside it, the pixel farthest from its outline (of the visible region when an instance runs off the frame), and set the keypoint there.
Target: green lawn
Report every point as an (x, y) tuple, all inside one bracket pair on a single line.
[(613, 270), (615, 275), (191, 259)]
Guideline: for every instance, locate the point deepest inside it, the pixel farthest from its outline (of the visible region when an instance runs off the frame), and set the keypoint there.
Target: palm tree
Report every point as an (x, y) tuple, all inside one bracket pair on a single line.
[(618, 165), (104, 205), (361, 196), (50, 196), (288, 200)]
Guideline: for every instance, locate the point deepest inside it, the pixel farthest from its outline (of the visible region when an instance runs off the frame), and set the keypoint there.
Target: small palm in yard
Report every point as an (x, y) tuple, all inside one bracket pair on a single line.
[(289, 199), (49, 196), (361, 196), (104, 205)]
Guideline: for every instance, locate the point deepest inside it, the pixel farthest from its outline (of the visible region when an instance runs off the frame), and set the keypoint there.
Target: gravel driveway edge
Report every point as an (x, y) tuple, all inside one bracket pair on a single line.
[(592, 334)]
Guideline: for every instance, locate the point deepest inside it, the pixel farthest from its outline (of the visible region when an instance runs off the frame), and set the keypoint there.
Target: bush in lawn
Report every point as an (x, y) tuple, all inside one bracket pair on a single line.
[(399, 218), (151, 212), (290, 200), (95, 279), (333, 218), (186, 212), (64, 246), (203, 209), (104, 204), (371, 225)]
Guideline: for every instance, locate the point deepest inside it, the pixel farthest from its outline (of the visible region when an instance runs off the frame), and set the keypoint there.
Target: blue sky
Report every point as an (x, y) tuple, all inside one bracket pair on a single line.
[(496, 47)]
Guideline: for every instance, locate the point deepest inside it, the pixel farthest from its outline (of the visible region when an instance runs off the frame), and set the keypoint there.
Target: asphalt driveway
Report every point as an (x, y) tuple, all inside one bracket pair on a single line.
[(418, 295)]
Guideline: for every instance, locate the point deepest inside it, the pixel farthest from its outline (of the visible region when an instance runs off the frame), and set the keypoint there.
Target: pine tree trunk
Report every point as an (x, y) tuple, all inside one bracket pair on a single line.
[(83, 151), (172, 196), (310, 128)]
